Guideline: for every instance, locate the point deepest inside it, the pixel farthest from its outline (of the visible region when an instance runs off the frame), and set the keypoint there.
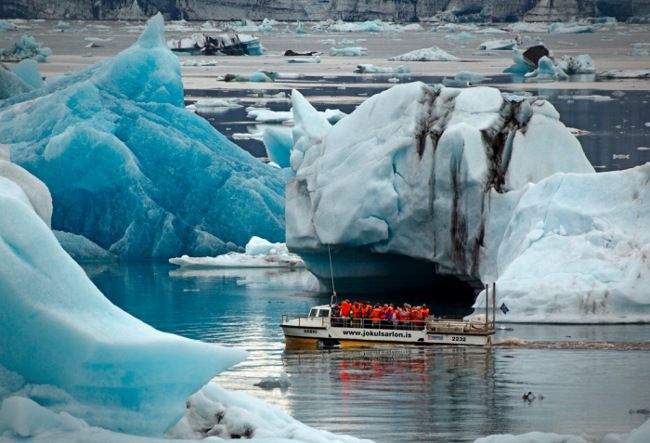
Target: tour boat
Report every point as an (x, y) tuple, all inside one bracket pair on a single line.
[(320, 329)]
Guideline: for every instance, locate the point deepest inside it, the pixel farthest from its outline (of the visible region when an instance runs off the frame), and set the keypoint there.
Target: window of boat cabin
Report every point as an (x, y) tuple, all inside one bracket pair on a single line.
[(313, 312), (324, 313)]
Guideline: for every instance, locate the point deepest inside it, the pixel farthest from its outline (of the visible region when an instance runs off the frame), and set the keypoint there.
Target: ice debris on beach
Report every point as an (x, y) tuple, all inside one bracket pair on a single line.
[(514, 200), (26, 47), (425, 55), (133, 171), (259, 253)]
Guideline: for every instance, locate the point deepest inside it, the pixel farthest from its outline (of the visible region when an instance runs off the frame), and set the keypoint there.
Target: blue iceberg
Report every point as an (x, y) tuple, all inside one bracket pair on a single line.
[(134, 172)]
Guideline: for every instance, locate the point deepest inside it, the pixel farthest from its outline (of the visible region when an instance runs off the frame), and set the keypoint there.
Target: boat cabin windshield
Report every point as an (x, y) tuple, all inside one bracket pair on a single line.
[(319, 312)]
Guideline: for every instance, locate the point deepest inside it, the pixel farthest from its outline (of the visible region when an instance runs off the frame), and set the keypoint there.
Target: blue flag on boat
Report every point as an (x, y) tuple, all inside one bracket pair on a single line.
[(504, 308)]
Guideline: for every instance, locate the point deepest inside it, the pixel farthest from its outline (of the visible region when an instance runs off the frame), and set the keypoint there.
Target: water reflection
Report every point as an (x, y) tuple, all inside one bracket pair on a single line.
[(432, 394)]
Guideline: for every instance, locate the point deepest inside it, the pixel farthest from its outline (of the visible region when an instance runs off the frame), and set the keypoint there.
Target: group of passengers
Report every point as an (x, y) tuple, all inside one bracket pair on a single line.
[(358, 313)]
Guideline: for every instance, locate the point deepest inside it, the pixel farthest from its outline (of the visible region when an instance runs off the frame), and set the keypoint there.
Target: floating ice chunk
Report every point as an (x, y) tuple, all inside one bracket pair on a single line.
[(7, 26), (375, 69), (26, 47), (497, 45), (282, 382), (527, 27), (27, 70), (227, 414), (470, 77), (519, 66), (573, 252), (278, 143), (58, 329), (367, 26), (351, 51), (268, 116), (119, 153), (11, 84), (260, 253), (255, 77), (491, 30), (569, 28), (82, 249), (457, 27), (461, 36), (62, 26), (591, 97), (315, 59), (546, 70), (198, 63), (205, 105), (625, 73), (579, 64), (641, 49), (425, 55)]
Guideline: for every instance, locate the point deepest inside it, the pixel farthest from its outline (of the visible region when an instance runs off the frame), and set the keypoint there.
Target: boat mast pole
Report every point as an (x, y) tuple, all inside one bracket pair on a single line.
[(329, 254), (487, 297), (494, 304)]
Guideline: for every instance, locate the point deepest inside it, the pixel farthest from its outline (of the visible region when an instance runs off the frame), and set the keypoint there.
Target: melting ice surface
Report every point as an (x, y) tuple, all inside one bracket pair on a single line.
[(134, 172), (484, 185), (260, 253)]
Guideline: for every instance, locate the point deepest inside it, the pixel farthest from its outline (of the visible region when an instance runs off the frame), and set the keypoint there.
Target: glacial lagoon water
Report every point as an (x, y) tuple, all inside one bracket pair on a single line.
[(441, 394)]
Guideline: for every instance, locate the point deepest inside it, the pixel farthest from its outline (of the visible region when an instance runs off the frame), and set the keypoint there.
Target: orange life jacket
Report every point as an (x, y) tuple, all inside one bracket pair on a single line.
[(425, 312), (417, 314), (367, 311), (376, 314), (345, 309), (356, 311)]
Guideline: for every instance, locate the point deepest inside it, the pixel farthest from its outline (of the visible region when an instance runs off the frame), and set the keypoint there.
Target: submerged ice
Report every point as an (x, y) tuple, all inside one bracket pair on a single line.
[(134, 172), (481, 185)]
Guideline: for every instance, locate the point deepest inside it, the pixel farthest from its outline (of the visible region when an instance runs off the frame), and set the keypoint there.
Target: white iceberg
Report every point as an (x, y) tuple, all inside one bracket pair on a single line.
[(579, 64), (546, 70), (260, 253), (120, 154), (470, 181), (375, 69), (351, 51), (425, 55), (497, 45)]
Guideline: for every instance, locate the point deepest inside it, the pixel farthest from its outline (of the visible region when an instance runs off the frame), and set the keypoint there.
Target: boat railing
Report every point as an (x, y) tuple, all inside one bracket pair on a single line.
[(306, 320)]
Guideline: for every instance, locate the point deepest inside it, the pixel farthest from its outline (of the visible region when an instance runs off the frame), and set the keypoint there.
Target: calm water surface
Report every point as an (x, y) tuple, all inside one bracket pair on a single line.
[(441, 394)]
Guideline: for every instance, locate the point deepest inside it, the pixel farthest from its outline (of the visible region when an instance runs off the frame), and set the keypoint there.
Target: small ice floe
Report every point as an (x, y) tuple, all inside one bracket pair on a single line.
[(641, 49), (491, 30), (270, 382), (464, 78), (546, 71), (216, 105), (578, 132), (7, 26), (350, 51), (425, 55), (643, 148), (457, 27), (62, 26), (529, 27), (579, 64), (328, 41), (198, 62), (569, 28), (265, 115), (620, 156), (256, 77), (375, 69), (393, 80), (625, 73), (260, 253), (25, 47), (289, 75), (497, 45), (590, 97), (461, 36), (304, 60)]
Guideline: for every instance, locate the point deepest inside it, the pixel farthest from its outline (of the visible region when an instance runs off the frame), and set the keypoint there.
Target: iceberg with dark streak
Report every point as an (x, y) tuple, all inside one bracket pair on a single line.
[(473, 184), (134, 172)]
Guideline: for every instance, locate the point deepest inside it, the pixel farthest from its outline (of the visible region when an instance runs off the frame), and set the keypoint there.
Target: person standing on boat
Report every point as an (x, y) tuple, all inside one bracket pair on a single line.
[(346, 310)]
